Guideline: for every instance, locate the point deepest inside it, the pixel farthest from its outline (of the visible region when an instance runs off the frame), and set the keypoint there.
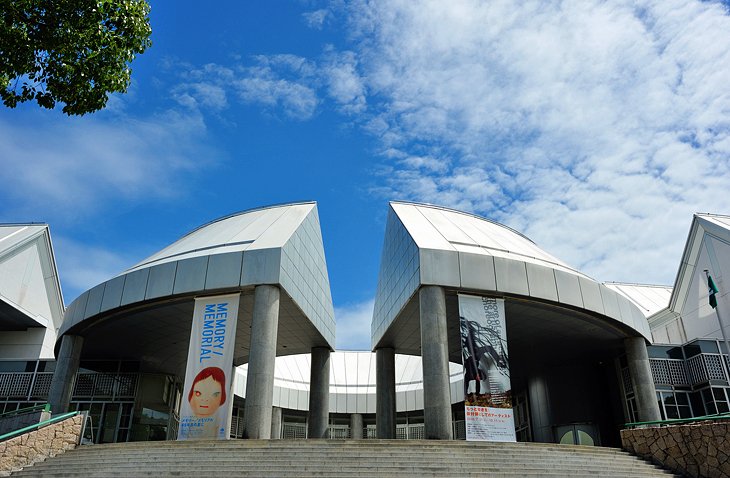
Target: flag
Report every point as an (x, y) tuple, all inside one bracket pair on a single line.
[(712, 291)]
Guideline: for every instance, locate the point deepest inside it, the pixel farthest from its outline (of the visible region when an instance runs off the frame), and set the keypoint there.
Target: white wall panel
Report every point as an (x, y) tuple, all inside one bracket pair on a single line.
[(75, 312), (351, 404), (135, 286), (511, 276), (161, 280), (277, 396), (591, 295), (659, 335), (411, 400), (370, 403), (610, 303), (285, 399), (224, 270), (261, 266), (341, 403), (400, 401), (568, 288), (93, 305), (477, 271), (419, 400), (332, 402), (439, 267), (190, 275), (541, 282), (112, 293), (302, 400)]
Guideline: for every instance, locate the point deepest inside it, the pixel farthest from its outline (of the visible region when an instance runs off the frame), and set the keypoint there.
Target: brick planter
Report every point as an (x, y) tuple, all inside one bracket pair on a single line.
[(696, 450), (38, 445)]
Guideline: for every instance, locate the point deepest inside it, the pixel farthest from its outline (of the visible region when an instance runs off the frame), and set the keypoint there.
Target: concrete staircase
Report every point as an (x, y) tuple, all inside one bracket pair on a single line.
[(338, 458)]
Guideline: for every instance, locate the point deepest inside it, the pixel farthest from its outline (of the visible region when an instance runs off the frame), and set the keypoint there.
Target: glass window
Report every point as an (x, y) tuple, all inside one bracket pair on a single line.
[(14, 366), (109, 366), (658, 351), (709, 400), (661, 409), (701, 346), (698, 407), (668, 398), (46, 366)]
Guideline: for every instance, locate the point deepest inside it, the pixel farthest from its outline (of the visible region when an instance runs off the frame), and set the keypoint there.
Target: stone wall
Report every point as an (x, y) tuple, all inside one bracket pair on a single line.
[(38, 445), (697, 450)]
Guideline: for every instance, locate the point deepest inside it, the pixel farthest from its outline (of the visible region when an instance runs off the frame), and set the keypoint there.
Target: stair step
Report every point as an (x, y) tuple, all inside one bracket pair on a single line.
[(356, 458)]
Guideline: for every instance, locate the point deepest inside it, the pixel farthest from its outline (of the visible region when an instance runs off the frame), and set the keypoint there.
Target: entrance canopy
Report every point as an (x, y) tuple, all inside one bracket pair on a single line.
[(430, 245), (146, 311)]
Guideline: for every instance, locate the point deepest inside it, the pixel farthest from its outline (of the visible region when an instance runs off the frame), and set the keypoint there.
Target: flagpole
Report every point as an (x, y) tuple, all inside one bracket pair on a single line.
[(719, 318)]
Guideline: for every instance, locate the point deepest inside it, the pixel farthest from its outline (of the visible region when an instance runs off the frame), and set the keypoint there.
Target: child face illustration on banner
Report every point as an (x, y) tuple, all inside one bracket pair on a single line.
[(208, 392)]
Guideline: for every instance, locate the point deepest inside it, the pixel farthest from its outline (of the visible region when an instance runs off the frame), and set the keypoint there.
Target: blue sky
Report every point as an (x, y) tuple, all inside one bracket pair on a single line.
[(596, 128)]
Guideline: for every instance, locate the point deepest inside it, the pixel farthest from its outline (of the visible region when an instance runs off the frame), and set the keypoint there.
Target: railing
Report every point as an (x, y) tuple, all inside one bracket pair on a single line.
[(695, 370), (460, 430), (293, 430), (669, 371), (705, 367), (28, 385), (25, 385), (339, 432), (36, 426), (102, 385), (679, 421)]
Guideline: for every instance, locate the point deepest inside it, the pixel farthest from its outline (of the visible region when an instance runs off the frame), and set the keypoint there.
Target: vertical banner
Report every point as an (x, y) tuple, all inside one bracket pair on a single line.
[(208, 390), (487, 387)]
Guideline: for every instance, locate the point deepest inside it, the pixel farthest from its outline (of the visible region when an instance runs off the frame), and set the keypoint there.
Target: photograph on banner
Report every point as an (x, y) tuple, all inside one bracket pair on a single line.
[(208, 390), (487, 385)]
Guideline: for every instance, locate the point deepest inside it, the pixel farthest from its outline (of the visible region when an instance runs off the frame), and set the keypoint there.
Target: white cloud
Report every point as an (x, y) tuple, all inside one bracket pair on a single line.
[(83, 266), (345, 85), (595, 128), (316, 18), (74, 166), (353, 325), (283, 82)]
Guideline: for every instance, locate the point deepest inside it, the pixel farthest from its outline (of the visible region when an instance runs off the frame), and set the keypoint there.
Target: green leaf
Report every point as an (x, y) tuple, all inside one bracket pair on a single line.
[(74, 52)]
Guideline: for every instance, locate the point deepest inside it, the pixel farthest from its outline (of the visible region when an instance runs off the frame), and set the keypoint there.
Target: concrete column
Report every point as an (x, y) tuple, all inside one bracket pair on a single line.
[(276, 420), (640, 370), (435, 360), (385, 393), (319, 394), (356, 426), (260, 380), (540, 411), (67, 365)]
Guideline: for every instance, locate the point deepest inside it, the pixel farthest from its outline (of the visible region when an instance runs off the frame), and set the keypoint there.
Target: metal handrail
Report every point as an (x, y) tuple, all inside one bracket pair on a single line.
[(36, 426), (46, 407), (679, 421)]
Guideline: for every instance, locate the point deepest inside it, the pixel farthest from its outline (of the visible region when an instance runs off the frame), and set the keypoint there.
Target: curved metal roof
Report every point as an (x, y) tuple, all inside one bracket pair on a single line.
[(352, 382), (431, 245), (279, 245), (650, 299), (258, 228), (437, 227)]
